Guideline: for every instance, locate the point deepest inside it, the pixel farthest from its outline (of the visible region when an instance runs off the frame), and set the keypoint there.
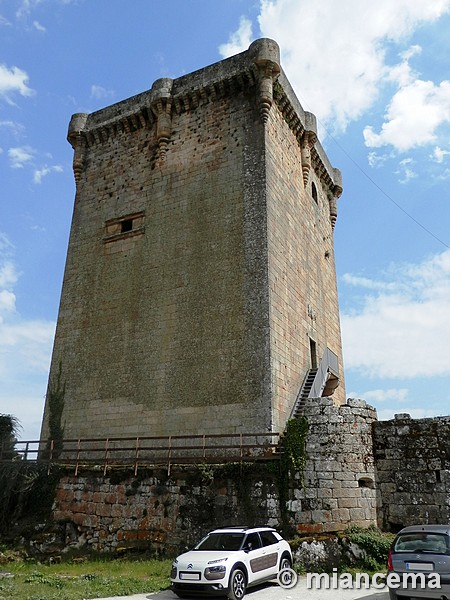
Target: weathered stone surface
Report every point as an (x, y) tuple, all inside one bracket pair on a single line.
[(163, 513), (199, 289), (413, 475), (339, 466), (200, 265)]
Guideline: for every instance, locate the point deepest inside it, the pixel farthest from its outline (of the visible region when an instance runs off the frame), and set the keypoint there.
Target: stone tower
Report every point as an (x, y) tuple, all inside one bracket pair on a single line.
[(200, 284)]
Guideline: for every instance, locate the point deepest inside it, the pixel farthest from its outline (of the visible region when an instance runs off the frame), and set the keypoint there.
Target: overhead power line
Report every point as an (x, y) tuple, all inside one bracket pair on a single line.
[(374, 183), (358, 166)]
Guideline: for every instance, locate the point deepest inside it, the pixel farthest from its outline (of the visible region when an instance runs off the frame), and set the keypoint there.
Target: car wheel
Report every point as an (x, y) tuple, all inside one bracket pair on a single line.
[(286, 570), (237, 585)]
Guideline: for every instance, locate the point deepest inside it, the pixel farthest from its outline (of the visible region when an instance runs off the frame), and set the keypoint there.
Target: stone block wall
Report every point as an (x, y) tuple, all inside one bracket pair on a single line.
[(158, 512), (357, 470), (159, 331), (301, 269), (412, 471), (339, 476), (197, 258), (164, 513)]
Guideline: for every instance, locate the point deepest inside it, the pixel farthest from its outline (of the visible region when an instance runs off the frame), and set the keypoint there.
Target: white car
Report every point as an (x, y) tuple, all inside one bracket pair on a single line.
[(229, 560)]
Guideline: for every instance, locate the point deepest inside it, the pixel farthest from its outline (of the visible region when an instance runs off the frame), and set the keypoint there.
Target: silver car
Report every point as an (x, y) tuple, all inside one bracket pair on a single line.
[(419, 563)]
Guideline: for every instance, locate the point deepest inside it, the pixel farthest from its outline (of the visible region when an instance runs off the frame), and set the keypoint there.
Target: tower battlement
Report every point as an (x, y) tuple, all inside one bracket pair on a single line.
[(258, 67)]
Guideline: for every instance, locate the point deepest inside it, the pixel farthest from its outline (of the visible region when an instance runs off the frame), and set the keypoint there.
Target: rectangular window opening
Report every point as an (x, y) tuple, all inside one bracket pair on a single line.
[(129, 225), (126, 225)]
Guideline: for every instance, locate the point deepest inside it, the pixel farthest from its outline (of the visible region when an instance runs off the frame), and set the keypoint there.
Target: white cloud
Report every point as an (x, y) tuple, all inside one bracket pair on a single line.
[(402, 127), (28, 404), (25, 350), (415, 413), (379, 395), (13, 126), (25, 344), (406, 171), (25, 7), (366, 282), (239, 41), (20, 156), (24, 155), (13, 80), (377, 160), (4, 21), (99, 92), (403, 331), (336, 65), (7, 301), (39, 27), (39, 174), (6, 247), (8, 275), (8, 278), (439, 154), (28, 337)]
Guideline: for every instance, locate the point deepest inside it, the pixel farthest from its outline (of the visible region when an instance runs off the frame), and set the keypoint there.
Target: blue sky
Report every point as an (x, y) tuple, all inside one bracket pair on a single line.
[(377, 77)]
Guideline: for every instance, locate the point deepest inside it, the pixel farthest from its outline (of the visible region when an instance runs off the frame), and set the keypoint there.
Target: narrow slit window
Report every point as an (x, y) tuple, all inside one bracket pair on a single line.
[(314, 193)]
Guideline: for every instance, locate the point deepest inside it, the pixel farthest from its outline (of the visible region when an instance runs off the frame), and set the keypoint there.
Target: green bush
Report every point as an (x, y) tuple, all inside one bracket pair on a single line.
[(375, 543), (25, 489)]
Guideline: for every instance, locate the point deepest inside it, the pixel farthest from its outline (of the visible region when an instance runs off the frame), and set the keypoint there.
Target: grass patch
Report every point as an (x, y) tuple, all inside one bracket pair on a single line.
[(75, 580)]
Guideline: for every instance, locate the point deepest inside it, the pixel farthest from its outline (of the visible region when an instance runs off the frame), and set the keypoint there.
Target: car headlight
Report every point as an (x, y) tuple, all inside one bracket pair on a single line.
[(173, 572), (216, 572), (218, 560)]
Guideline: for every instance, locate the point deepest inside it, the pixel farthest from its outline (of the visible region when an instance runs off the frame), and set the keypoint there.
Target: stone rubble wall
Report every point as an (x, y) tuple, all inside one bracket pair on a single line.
[(339, 475), (164, 513), (160, 512), (413, 470), (358, 471)]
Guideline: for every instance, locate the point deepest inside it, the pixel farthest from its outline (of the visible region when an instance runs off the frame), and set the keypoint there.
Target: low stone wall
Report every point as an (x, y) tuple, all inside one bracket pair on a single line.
[(412, 471), (164, 513), (357, 469)]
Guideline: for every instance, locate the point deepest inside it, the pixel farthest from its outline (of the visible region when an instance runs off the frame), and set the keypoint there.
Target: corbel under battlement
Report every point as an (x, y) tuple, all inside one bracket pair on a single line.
[(258, 67)]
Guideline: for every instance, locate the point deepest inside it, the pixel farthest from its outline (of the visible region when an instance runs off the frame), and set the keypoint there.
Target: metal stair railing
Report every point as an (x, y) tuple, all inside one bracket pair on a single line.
[(315, 382), (303, 393)]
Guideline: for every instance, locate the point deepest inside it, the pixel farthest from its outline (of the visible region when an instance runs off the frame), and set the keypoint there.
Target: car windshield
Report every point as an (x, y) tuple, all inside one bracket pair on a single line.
[(435, 543), (221, 541)]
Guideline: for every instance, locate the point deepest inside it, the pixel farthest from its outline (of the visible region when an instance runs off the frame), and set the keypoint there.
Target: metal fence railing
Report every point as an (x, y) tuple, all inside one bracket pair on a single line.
[(141, 452)]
